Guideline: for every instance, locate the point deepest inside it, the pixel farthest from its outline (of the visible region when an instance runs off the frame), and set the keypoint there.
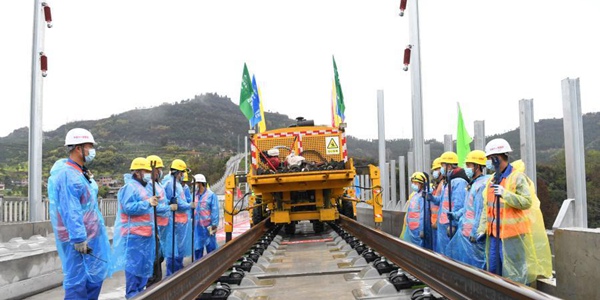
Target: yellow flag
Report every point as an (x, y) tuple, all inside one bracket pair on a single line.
[(262, 125), (335, 118)]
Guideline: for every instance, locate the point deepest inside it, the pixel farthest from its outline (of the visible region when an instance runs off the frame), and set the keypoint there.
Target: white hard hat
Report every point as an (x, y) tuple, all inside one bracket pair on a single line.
[(497, 146), (200, 178), (78, 136), (273, 152)]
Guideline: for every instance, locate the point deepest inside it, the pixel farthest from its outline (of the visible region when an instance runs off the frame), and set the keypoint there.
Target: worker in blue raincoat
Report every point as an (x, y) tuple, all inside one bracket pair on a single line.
[(179, 246), (451, 199), (207, 218), (133, 241), (464, 246), (413, 230), (185, 183), (81, 239), (163, 213)]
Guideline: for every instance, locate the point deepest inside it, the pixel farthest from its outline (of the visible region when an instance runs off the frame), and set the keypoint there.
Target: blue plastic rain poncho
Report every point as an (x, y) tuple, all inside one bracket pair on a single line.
[(524, 250), (206, 215), (458, 187), (413, 220), (163, 213), (76, 218), (183, 243), (133, 241), (187, 193), (460, 247)]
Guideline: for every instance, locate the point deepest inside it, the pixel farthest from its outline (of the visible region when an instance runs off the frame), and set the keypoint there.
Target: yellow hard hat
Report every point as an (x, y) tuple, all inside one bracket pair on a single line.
[(178, 165), (155, 159), (449, 157), (476, 157), (185, 176), (436, 163), (140, 163), (418, 177)]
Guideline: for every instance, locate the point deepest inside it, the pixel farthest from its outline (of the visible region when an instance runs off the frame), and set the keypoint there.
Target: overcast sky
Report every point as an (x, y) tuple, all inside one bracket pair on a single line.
[(107, 57)]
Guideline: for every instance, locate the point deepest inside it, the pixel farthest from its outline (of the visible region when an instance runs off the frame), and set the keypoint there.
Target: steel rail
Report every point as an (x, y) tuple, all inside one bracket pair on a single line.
[(194, 279), (451, 279)]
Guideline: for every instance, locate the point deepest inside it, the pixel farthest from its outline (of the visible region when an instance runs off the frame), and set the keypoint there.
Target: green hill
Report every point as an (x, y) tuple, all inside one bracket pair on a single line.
[(204, 131)]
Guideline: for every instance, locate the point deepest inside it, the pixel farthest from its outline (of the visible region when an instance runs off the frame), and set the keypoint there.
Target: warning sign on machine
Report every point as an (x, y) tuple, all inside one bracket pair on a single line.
[(332, 145)]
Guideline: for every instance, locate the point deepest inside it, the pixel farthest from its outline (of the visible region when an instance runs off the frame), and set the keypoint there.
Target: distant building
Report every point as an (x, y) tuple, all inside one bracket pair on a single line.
[(2, 187), (107, 181), (22, 182)]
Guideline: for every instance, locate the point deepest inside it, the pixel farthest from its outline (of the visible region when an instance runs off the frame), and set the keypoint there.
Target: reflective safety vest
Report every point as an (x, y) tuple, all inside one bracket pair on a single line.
[(137, 224), (162, 220), (90, 217), (204, 210), (513, 222), (445, 205), (435, 208), (414, 212), (181, 217)]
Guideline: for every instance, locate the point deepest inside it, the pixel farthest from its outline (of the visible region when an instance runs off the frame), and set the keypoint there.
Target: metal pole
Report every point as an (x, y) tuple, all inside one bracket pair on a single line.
[(479, 135), (574, 149), (427, 157), (381, 137), (448, 143), (411, 165), (392, 184), (417, 97), (386, 193), (527, 134), (402, 181), (246, 161), (35, 122)]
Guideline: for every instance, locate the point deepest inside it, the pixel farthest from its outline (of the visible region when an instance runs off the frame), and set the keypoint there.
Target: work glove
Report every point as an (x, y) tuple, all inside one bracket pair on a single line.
[(212, 230), (448, 231), (451, 216), (193, 205), (81, 247), (498, 190), (480, 237), (153, 201), (421, 234), (429, 197), (173, 207), (473, 238)]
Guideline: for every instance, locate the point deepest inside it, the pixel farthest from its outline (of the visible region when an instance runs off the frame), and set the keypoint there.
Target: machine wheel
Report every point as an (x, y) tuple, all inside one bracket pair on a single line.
[(257, 213), (347, 209), (290, 228), (318, 226)]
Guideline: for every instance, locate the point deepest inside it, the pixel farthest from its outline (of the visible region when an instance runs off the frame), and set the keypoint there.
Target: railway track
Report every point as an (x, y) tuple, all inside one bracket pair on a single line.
[(445, 277)]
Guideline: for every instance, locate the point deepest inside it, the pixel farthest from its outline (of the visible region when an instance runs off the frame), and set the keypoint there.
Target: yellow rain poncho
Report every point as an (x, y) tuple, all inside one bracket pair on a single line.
[(525, 248)]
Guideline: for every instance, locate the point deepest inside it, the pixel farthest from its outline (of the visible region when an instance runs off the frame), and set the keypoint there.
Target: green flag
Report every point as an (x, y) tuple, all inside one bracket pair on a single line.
[(340, 106), (463, 140), (246, 94)]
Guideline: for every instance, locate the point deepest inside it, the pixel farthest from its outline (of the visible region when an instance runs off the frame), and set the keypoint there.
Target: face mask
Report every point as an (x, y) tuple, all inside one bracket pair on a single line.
[(414, 187), (469, 172), (489, 165), (148, 177), (91, 155), (443, 171), (160, 175), (436, 174)]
